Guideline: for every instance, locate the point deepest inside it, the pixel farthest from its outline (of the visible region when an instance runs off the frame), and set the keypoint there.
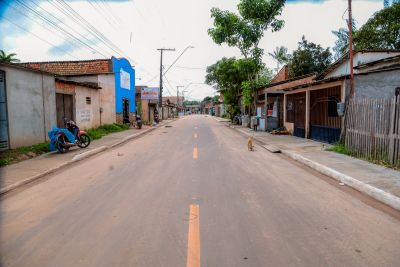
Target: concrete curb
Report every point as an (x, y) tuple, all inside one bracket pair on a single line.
[(89, 153), (77, 158), (369, 190), (32, 178), (376, 193)]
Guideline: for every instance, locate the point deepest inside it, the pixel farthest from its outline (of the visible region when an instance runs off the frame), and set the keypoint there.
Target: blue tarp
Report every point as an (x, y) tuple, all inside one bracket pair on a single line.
[(53, 135)]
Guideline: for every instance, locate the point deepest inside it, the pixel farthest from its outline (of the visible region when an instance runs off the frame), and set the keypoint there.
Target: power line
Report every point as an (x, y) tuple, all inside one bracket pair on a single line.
[(67, 31), (55, 26)]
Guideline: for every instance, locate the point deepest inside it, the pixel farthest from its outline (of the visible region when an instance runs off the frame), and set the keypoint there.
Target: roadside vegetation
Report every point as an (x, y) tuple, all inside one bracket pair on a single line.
[(99, 132), (26, 152), (342, 149), (22, 153)]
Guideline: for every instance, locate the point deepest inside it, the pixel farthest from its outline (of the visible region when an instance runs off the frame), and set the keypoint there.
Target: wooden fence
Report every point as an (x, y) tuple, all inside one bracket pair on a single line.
[(372, 129)]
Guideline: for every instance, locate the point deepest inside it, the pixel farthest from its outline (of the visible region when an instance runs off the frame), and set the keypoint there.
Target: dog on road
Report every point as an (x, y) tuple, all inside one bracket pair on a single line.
[(250, 144)]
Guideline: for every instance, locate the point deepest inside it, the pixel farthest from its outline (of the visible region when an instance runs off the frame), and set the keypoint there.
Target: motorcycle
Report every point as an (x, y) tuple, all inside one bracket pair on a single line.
[(82, 139), (138, 122)]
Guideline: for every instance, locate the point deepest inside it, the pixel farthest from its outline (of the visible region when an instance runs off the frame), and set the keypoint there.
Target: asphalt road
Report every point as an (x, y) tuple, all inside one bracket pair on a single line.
[(191, 194)]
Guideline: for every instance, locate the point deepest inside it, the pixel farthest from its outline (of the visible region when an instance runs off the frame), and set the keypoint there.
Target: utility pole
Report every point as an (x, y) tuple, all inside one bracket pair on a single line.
[(177, 96), (351, 51), (161, 81)]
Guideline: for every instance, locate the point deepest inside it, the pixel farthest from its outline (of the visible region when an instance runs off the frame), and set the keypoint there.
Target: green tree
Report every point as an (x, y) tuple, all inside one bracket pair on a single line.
[(190, 103), (244, 31), (207, 99), (382, 31), (227, 76), (10, 58), (280, 55), (342, 41), (308, 58)]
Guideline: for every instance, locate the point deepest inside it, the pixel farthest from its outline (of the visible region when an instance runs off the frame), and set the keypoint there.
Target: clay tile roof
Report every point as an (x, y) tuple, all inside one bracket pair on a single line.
[(96, 66)]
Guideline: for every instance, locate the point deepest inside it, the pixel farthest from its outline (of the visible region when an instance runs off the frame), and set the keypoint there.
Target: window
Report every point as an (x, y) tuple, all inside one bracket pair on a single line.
[(332, 106), (290, 108), (88, 100)]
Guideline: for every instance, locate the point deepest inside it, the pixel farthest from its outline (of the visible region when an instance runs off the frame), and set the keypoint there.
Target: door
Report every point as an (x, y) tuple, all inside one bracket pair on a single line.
[(300, 115), (125, 110), (3, 113), (325, 123), (65, 108)]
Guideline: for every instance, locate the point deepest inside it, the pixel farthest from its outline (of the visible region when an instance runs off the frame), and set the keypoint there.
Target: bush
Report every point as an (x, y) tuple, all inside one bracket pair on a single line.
[(99, 132), (340, 148)]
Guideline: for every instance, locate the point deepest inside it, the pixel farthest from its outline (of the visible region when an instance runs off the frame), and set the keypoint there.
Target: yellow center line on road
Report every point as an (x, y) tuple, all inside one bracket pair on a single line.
[(195, 153), (193, 250)]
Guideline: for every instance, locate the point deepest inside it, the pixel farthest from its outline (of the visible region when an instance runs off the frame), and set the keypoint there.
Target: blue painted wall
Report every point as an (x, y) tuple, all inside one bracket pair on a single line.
[(123, 69)]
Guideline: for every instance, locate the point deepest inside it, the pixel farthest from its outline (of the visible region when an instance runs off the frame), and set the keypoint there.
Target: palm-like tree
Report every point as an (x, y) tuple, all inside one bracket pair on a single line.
[(280, 55), (10, 58)]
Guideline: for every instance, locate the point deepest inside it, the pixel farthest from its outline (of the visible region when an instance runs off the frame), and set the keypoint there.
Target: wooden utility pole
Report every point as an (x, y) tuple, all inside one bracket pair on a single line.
[(177, 97), (161, 81), (350, 22)]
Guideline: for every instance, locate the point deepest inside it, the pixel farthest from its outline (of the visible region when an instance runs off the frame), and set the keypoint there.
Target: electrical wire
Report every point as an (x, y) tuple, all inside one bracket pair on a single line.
[(55, 26)]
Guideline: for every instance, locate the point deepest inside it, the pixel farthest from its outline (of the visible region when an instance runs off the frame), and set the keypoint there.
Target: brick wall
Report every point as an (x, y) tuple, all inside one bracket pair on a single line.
[(73, 67), (282, 75), (65, 88)]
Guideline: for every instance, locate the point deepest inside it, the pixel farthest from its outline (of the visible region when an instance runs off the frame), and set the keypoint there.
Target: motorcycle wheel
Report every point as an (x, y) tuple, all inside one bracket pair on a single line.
[(60, 144), (84, 141)]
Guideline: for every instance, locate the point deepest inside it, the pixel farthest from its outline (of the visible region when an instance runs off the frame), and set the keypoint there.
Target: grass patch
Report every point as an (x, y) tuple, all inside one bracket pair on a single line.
[(26, 152), (99, 132), (340, 148), (22, 153)]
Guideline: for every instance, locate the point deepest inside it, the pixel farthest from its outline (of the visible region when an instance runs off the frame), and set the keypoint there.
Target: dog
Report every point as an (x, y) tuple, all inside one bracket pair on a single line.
[(250, 144)]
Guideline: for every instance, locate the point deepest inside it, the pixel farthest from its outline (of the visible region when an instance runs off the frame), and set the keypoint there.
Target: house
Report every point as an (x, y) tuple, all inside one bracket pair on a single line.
[(311, 108), (27, 105), (80, 101), (115, 77), (270, 102), (147, 102)]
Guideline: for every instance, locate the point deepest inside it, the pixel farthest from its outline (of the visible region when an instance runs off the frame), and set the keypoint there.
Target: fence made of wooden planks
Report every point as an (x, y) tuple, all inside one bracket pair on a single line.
[(372, 129)]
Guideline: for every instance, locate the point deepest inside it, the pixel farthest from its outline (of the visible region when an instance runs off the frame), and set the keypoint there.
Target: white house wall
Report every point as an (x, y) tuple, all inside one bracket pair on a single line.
[(107, 96), (359, 58), (87, 115), (31, 105)]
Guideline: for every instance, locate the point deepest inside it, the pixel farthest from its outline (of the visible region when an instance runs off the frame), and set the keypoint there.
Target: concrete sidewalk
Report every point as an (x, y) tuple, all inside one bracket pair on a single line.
[(24, 172), (376, 181)]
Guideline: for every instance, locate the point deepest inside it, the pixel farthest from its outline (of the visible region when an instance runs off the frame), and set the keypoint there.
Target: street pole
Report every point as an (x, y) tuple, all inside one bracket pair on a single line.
[(177, 96), (351, 50), (161, 74)]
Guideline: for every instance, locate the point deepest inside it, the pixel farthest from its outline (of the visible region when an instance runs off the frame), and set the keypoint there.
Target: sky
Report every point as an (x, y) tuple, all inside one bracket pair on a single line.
[(39, 30)]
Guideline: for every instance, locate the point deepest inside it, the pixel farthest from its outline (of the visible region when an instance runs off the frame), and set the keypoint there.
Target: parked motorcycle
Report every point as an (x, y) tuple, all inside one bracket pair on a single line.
[(138, 122), (63, 144)]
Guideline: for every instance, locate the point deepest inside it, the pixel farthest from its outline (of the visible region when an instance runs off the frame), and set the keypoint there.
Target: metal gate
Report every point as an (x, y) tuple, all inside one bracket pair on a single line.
[(325, 123), (65, 108), (300, 115), (4, 145)]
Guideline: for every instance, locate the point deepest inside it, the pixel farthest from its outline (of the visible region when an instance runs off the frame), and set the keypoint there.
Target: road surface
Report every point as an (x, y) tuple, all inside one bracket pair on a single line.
[(191, 195)]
